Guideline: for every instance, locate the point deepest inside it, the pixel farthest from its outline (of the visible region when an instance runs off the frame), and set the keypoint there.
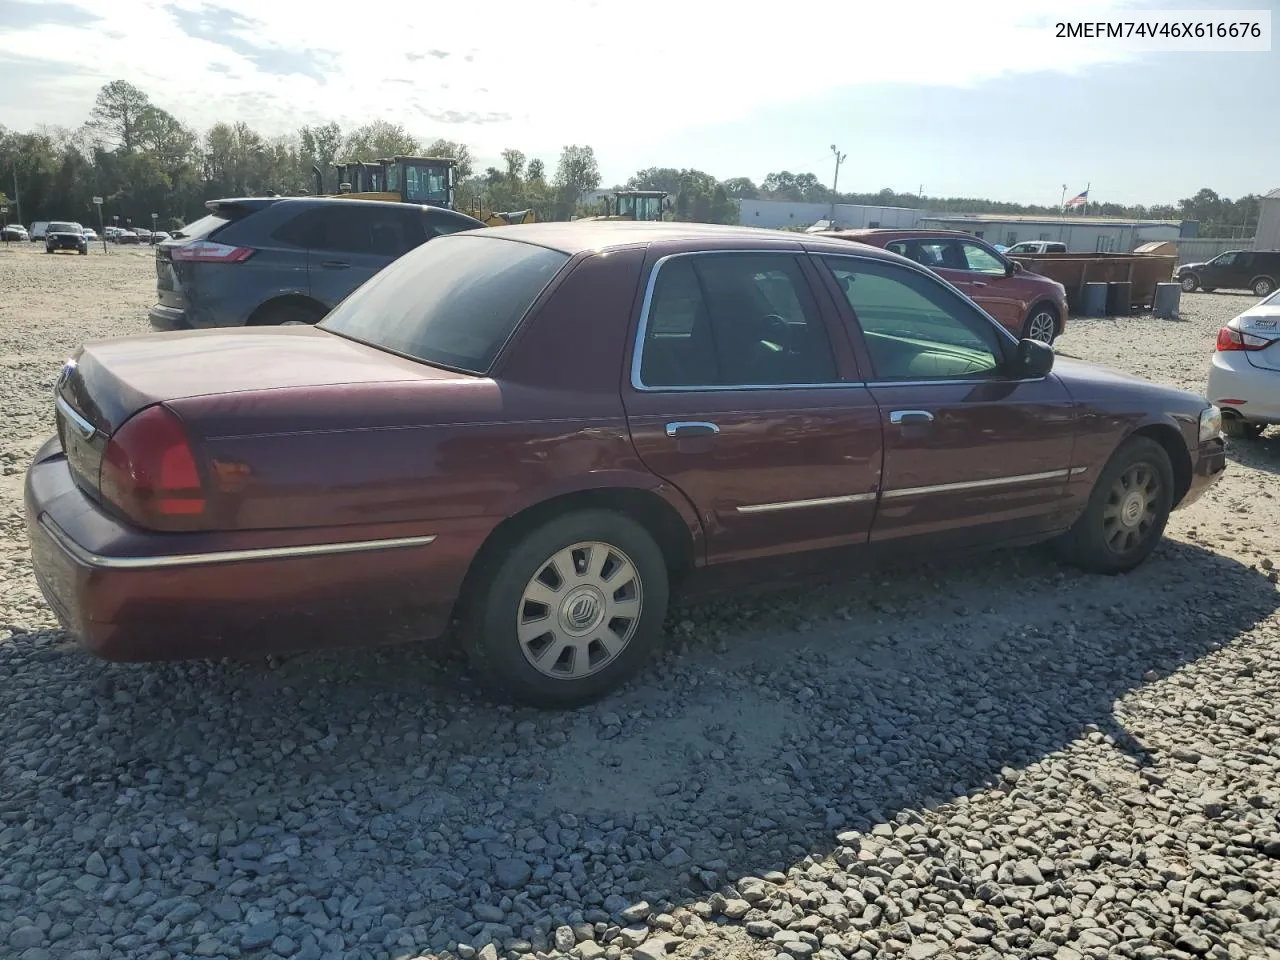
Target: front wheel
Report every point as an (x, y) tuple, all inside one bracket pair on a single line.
[(1263, 286), (1189, 283), (1127, 511), (569, 612), (1042, 325)]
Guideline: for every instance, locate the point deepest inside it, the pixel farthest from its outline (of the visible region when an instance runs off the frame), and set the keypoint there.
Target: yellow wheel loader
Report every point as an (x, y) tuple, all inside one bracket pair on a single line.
[(634, 205)]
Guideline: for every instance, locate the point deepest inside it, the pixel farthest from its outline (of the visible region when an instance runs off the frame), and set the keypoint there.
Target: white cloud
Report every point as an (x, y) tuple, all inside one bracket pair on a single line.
[(538, 75)]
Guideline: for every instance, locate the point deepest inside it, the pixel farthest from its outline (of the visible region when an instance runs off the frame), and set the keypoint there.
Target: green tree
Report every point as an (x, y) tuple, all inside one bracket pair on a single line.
[(118, 114), (379, 140), (537, 170), (458, 151), (514, 159), (576, 173)]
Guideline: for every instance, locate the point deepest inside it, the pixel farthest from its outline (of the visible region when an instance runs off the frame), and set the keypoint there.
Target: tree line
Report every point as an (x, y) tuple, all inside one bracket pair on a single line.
[(142, 160)]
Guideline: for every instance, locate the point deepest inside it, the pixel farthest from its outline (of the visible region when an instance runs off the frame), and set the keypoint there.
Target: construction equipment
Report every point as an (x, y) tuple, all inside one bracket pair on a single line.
[(503, 218), (428, 180), (634, 205)]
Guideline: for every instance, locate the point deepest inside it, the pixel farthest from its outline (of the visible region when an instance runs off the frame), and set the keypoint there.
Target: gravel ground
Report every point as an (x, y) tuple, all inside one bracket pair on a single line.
[(1007, 759)]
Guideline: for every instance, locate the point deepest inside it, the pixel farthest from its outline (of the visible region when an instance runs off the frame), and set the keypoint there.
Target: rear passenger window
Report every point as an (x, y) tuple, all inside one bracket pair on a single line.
[(733, 320), (348, 227), (915, 328)]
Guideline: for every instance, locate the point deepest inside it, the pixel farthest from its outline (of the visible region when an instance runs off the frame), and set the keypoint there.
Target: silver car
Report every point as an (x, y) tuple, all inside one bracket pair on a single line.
[(1244, 376)]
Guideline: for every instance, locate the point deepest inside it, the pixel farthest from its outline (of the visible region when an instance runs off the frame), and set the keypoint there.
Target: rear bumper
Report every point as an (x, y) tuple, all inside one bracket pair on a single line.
[(168, 318), (1233, 377), (127, 594), (1209, 463)]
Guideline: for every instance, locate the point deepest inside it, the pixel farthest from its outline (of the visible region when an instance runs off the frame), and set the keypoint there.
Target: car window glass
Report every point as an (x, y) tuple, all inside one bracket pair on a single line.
[(441, 222), (915, 328), (352, 228), (980, 260), (899, 247), (1225, 260), (453, 302), (733, 320)]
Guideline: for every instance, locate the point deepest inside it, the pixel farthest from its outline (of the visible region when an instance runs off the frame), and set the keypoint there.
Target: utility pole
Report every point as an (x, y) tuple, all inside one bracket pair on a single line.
[(17, 199), (835, 183)]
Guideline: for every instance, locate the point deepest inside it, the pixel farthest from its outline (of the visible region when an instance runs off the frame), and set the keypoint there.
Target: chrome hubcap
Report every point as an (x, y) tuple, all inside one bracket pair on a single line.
[(579, 610), (1262, 288), (1042, 327), (1130, 513), (1189, 284)]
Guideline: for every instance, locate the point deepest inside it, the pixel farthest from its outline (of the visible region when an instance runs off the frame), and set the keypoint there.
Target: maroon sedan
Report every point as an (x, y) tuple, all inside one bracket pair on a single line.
[(1026, 303), (535, 431)]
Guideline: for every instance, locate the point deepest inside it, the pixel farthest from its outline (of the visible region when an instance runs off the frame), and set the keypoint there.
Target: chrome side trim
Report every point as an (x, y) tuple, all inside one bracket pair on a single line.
[(798, 504), (975, 484), (1076, 471), (222, 556), (82, 426)]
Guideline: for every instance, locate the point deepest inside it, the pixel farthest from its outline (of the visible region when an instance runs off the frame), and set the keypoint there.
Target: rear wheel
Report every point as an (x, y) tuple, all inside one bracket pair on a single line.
[(1126, 513), (1263, 286), (1240, 429), (1042, 324), (569, 612), (1189, 283)]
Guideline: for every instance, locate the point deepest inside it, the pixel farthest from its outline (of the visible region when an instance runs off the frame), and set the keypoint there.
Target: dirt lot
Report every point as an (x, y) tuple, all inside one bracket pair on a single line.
[(1006, 759)]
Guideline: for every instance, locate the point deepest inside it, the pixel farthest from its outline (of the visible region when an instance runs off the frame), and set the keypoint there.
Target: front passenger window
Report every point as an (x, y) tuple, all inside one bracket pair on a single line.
[(915, 328)]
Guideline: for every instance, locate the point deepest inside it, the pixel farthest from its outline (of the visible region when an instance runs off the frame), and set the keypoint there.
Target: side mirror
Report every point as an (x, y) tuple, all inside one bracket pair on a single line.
[(1032, 359), (1013, 267)]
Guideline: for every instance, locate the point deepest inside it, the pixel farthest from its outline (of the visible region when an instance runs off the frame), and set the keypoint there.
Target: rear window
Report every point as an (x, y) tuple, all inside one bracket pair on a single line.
[(452, 302), (200, 228)]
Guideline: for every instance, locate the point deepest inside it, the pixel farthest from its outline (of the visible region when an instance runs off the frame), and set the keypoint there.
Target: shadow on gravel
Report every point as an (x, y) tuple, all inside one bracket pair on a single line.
[(773, 725), (1261, 453)]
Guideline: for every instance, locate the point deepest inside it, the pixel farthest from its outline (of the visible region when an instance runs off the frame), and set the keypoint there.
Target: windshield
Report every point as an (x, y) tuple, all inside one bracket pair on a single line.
[(61, 227), (452, 302)]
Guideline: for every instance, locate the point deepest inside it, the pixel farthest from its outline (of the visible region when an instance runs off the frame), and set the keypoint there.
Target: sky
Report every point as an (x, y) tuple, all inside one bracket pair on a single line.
[(975, 99)]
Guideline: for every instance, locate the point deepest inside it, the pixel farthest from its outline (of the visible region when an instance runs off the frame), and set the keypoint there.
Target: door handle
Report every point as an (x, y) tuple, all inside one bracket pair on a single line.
[(907, 417), (979, 283), (691, 428), (334, 264)]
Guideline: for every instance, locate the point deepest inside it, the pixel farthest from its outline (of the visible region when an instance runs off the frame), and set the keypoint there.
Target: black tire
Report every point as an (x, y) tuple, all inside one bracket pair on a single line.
[(84, 253), (1238, 428), (1262, 286), (282, 313), (1088, 544), (48, 250), (1037, 318), (1189, 282), (496, 600)]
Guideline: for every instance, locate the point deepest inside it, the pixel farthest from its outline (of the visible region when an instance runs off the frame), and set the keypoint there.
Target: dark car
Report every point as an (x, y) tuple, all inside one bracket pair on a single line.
[(268, 260), (1254, 270), (1026, 303), (63, 235), (536, 431)]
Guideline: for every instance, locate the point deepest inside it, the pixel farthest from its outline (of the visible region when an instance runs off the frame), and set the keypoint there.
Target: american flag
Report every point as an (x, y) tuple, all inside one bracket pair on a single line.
[(1080, 199)]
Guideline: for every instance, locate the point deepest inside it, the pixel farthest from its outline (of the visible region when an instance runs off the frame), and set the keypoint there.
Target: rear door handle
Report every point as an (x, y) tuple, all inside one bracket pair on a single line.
[(334, 264), (978, 283), (691, 428), (907, 417)]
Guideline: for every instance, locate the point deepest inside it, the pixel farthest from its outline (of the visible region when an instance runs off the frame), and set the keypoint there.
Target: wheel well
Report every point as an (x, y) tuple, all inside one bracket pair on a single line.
[(648, 509), (262, 313), (1263, 276), (1174, 445)]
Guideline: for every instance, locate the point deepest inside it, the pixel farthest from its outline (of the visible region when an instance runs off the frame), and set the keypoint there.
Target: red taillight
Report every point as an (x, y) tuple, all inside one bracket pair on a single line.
[(1229, 338), (149, 472), (206, 251)]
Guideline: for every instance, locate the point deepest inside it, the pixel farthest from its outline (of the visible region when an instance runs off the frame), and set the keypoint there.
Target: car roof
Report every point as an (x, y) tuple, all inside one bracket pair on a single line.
[(905, 233), (579, 236)]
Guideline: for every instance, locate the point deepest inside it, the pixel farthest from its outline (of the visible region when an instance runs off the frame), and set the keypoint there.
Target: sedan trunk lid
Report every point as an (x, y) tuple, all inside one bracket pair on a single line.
[(1263, 321)]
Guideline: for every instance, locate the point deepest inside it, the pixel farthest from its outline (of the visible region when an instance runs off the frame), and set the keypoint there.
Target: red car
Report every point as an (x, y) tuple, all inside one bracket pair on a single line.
[(1026, 303), (537, 431)]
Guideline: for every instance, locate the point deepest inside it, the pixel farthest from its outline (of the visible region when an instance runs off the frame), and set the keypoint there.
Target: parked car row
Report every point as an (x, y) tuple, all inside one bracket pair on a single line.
[(535, 433)]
